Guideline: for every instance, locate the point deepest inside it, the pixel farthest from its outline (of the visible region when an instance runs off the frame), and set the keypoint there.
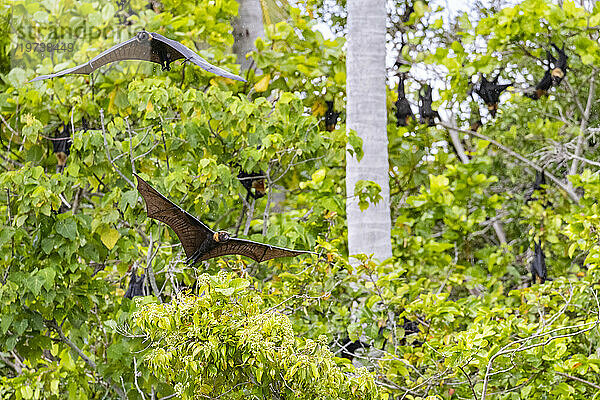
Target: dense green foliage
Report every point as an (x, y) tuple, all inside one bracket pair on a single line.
[(231, 328)]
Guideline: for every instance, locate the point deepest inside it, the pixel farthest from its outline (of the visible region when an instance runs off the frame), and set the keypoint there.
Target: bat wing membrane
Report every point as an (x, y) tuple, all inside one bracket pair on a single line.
[(259, 252), (190, 231), (131, 49), (185, 52)]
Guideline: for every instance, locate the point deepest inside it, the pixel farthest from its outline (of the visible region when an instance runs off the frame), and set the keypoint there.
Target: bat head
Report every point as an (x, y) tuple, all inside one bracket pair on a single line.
[(557, 75), (143, 36), (221, 236)]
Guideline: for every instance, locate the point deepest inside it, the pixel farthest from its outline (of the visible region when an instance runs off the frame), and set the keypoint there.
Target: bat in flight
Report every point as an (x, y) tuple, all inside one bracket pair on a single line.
[(145, 46), (199, 242)]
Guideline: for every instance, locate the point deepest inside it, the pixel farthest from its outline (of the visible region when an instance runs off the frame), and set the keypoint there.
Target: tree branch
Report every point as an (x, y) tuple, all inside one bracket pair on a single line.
[(513, 153), (52, 325), (582, 127), (108, 152)]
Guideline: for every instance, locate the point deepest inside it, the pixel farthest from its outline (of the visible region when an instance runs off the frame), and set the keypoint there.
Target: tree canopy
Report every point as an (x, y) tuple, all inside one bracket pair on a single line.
[(454, 313)]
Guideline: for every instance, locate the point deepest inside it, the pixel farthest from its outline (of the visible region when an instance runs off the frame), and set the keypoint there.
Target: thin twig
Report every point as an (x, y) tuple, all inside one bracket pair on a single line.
[(130, 144), (149, 269), (505, 350), (584, 121), (470, 383), (53, 325), (163, 132), (108, 152), (592, 384), (135, 380)]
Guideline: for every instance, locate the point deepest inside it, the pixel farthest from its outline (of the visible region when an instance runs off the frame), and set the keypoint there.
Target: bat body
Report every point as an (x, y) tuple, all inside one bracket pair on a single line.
[(199, 242), (554, 75), (541, 89), (136, 286), (145, 46), (254, 183), (490, 91), (331, 116), (61, 146), (427, 114), (538, 264), (403, 111), (560, 67)]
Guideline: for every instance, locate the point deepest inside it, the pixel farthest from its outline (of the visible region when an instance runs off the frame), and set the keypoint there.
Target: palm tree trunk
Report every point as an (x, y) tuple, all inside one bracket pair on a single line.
[(369, 231), (246, 28)]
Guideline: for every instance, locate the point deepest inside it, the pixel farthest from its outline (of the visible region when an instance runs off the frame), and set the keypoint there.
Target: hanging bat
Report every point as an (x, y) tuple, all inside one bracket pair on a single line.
[(490, 91), (254, 183), (331, 116), (538, 264), (540, 179), (136, 286), (199, 242), (560, 67), (403, 111), (61, 146), (427, 114), (541, 89), (145, 46)]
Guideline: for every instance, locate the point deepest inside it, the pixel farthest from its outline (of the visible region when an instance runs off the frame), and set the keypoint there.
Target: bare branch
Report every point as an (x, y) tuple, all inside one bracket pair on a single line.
[(108, 152), (584, 121), (53, 325), (513, 153)]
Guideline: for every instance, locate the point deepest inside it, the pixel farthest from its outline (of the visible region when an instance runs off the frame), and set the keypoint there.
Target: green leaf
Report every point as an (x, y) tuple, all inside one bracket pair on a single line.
[(109, 236), (67, 228)]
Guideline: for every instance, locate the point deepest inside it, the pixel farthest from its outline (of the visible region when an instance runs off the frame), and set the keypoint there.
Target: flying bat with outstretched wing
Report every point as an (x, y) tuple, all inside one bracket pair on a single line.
[(145, 46), (199, 242)]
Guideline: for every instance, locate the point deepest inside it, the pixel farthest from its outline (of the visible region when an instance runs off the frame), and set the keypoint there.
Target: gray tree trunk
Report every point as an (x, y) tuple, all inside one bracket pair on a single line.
[(369, 231), (246, 28)]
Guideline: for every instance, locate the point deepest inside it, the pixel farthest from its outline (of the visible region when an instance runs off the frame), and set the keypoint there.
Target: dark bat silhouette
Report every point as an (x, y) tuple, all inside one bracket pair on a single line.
[(538, 264), (61, 145), (540, 179), (145, 46), (331, 116), (541, 89), (559, 69), (254, 183), (136, 286), (427, 114), (490, 91), (199, 242), (403, 111)]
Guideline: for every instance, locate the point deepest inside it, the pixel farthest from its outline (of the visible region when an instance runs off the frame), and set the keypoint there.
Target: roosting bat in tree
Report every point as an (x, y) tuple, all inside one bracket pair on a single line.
[(61, 146), (331, 116), (403, 111), (541, 89), (136, 286), (538, 264), (145, 46), (254, 183), (199, 242), (559, 69), (489, 91), (427, 114)]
